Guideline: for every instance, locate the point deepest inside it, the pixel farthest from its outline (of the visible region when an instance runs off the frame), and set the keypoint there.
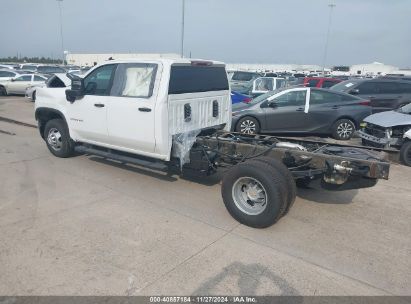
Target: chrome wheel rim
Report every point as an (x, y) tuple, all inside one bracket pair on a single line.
[(54, 139), (249, 195), (345, 130), (248, 127)]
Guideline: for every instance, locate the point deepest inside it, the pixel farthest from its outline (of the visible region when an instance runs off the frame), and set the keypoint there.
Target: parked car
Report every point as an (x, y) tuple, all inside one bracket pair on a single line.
[(384, 94), (389, 129), (56, 81), (320, 82), (28, 67), (239, 79), (302, 111), (238, 97), (19, 84), (7, 74), (7, 66), (260, 85), (50, 69)]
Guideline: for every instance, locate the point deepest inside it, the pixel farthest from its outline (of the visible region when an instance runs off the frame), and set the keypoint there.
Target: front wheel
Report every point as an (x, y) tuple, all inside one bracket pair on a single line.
[(248, 125), (254, 194), (405, 153), (3, 91), (343, 129), (58, 139)]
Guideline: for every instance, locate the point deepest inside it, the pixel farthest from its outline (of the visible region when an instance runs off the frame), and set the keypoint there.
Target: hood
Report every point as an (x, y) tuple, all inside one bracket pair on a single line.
[(389, 119)]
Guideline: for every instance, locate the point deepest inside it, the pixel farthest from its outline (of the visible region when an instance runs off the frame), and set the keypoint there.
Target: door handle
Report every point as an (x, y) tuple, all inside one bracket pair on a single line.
[(300, 109), (335, 107), (371, 97), (144, 109), (99, 105)]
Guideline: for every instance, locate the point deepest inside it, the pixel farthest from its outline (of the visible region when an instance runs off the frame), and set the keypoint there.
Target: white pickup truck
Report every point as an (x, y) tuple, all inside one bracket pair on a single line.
[(175, 115)]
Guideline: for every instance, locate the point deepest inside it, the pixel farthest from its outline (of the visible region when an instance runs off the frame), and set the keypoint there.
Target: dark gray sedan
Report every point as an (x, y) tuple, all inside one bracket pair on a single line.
[(308, 111)]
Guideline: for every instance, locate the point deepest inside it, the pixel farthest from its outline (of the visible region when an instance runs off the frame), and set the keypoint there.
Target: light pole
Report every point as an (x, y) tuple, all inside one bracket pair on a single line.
[(182, 27), (61, 29), (331, 6)]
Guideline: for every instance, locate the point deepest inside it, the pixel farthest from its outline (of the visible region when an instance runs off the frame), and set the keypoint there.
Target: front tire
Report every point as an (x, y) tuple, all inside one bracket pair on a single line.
[(58, 139), (253, 194), (3, 91), (343, 129), (248, 125), (405, 153)]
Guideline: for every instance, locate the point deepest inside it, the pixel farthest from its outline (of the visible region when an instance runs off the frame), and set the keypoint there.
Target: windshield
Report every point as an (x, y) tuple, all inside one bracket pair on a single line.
[(343, 86), (405, 109)]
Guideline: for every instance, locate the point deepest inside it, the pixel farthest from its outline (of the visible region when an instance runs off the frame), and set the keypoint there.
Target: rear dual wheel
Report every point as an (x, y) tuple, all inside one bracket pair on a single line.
[(258, 192)]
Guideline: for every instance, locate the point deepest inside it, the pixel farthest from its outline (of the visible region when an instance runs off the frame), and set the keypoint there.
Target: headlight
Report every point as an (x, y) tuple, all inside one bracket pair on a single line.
[(389, 131), (363, 124)]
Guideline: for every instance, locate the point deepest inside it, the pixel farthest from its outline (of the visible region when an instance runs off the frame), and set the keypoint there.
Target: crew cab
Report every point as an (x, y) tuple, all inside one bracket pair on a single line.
[(174, 115)]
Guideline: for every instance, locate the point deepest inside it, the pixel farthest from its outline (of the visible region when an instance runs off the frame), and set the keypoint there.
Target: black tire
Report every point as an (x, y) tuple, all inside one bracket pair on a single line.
[(405, 153), (274, 204), (248, 125), (57, 138), (33, 96), (3, 91), (283, 175), (343, 129)]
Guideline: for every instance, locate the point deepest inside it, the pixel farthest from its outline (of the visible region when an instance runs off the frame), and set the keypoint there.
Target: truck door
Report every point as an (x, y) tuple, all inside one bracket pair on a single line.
[(88, 115), (131, 107)]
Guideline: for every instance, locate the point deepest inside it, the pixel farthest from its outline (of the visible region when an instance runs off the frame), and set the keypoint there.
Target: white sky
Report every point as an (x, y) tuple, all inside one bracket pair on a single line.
[(244, 31)]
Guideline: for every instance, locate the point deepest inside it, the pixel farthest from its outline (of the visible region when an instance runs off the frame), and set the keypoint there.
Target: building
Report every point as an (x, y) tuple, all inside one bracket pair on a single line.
[(91, 59), (372, 69)]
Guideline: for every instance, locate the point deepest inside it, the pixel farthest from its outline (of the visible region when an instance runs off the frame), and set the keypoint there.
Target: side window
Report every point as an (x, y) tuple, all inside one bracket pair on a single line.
[(321, 97), (99, 81), (293, 98), (38, 78), (24, 78), (312, 83), (368, 88), (388, 88), (6, 74), (134, 80), (328, 83)]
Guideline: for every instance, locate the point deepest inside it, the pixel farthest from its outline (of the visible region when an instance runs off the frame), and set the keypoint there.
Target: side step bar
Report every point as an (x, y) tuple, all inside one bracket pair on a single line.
[(122, 157)]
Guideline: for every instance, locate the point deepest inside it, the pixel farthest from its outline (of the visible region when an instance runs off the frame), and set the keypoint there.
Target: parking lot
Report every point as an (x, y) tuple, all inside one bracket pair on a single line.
[(88, 226)]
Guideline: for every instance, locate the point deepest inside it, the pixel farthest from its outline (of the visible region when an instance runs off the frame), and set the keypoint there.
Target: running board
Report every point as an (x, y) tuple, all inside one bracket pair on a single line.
[(112, 155)]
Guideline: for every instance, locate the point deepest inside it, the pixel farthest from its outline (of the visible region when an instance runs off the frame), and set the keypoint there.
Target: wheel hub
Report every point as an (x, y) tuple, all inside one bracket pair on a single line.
[(345, 130), (249, 195), (54, 139), (247, 127)]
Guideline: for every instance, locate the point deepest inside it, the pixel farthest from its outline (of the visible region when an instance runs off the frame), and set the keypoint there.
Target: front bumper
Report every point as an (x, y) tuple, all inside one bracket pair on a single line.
[(384, 142)]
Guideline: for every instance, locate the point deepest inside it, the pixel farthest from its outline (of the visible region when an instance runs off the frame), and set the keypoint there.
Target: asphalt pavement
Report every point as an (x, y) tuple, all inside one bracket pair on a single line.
[(87, 226)]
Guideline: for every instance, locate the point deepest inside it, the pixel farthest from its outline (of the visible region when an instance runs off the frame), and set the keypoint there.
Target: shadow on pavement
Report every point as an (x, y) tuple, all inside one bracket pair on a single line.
[(249, 278)]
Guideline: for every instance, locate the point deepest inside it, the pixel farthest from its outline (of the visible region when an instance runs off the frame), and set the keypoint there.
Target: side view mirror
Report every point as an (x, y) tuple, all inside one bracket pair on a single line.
[(272, 104), (355, 92), (13, 79), (72, 95)]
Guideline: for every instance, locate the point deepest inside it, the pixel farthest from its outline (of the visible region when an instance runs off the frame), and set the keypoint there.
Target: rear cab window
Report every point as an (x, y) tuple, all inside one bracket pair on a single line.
[(197, 78)]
